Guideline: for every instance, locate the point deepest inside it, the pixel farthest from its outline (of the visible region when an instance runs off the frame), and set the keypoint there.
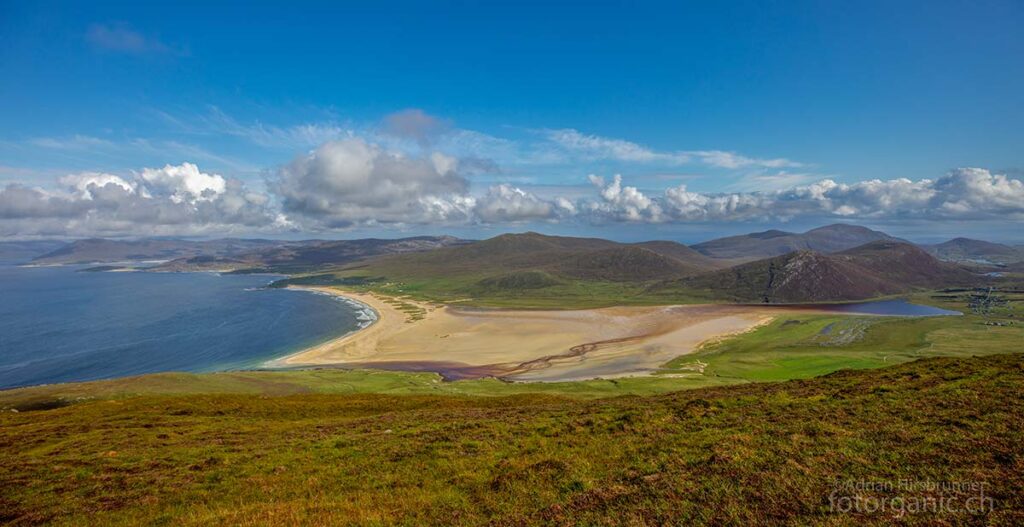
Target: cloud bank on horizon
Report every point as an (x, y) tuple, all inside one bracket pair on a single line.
[(417, 170), (688, 120)]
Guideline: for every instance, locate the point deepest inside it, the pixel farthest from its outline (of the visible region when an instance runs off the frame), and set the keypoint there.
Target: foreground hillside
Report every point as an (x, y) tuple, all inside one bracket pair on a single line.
[(751, 454)]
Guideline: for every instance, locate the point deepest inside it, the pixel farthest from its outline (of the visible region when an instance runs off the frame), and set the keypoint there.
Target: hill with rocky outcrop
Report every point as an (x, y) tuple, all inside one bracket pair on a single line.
[(875, 269)]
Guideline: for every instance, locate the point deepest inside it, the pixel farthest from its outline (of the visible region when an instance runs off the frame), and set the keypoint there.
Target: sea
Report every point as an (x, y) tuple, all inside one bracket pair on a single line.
[(66, 324), (60, 324)]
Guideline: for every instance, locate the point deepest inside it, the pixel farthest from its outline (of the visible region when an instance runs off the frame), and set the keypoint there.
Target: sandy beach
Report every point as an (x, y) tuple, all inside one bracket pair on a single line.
[(527, 345), (354, 346)]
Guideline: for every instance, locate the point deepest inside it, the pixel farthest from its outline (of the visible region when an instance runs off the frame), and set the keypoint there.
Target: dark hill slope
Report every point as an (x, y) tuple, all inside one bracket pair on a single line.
[(875, 269), (567, 257), (828, 239), (906, 264), (622, 264), (801, 276), (839, 237), (507, 252), (755, 244), (519, 281), (683, 253)]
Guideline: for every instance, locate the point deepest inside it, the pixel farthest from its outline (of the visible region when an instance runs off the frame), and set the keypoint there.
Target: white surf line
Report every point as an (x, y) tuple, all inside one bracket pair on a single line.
[(365, 314)]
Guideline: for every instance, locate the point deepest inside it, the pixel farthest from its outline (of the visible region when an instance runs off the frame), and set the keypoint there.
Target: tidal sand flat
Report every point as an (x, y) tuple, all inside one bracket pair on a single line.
[(529, 345), (550, 345)]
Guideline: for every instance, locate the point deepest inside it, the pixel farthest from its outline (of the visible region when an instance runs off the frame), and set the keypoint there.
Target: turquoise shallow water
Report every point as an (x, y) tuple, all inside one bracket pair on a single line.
[(59, 325)]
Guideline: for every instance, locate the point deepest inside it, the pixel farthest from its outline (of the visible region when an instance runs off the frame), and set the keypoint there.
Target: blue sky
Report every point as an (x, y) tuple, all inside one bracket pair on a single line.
[(720, 117)]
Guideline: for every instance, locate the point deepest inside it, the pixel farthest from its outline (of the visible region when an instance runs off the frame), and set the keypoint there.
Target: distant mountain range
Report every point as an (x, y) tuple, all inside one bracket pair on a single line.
[(308, 255), (710, 254), (231, 254), (98, 250), (966, 250), (19, 252), (836, 262), (514, 263), (829, 239)]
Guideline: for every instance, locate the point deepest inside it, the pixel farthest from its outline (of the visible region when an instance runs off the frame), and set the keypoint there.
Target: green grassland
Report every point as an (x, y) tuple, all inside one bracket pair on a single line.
[(329, 381), (711, 440), (802, 346), (758, 453), (796, 347)]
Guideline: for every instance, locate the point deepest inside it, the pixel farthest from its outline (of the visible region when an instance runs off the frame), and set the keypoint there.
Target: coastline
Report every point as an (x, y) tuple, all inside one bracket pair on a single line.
[(529, 345), (354, 344), (518, 345), (136, 323)]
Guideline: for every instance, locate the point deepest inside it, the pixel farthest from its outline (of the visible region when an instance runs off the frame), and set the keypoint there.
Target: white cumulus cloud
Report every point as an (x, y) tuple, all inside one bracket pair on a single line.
[(964, 194), (173, 200), (83, 181), (352, 181), (505, 203), (619, 203), (183, 182)]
